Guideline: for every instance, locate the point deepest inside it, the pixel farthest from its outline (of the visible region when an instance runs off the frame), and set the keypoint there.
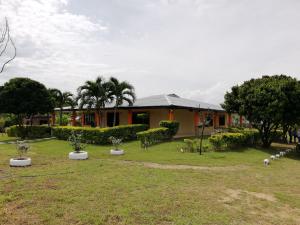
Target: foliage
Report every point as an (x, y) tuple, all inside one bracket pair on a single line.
[(95, 94), (100, 135), (121, 92), (61, 99), (191, 145), (75, 140), (268, 103), (217, 141), (2, 124), (245, 137), (9, 120), (64, 120), (153, 136), (23, 97), (22, 148), (173, 126), (116, 142), (29, 131), (298, 149)]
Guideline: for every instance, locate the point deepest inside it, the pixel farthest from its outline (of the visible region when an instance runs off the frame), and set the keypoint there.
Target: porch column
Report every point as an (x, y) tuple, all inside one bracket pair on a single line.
[(96, 119), (241, 120), (203, 118), (171, 114), (53, 118), (129, 117), (216, 120), (229, 119), (196, 118), (82, 119), (73, 118)]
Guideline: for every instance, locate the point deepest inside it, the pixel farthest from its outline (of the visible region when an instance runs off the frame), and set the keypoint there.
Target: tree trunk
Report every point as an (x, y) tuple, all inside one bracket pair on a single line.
[(31, 118), (60, 116), (115, 116), (48, 116)]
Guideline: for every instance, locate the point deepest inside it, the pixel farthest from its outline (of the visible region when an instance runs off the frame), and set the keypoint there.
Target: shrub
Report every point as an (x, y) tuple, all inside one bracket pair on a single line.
[(29, 131), (22, 148), (100, 135), (75, 142), (216, 140), (190, 145), (153, 136), (173, 127), (244, 137), (64, 120)]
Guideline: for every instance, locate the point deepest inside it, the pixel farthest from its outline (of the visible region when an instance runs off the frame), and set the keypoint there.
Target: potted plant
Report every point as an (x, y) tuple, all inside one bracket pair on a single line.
[(78, 146), (116, 142), (21, 160)]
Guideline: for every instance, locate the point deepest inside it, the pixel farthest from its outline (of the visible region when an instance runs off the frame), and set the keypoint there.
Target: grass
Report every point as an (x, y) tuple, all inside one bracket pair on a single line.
[(110, 190), (5, 138)]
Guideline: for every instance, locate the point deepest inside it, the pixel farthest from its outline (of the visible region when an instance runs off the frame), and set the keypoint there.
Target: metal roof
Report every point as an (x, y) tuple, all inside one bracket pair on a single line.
[(172, 100), (169, 101)]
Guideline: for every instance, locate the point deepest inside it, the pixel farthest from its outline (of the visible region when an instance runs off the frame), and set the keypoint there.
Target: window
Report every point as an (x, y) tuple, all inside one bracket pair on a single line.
[(89, 119), (221, 120), (140, 118), (110, 119)]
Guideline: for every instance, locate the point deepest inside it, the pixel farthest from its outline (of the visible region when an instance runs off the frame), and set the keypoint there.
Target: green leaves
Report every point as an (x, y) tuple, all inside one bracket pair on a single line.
[(267, 102)]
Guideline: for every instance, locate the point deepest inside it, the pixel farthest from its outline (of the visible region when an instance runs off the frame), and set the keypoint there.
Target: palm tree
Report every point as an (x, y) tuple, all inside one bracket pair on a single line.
[(73, 103), (95, 94), (61, 100), (121, 91)]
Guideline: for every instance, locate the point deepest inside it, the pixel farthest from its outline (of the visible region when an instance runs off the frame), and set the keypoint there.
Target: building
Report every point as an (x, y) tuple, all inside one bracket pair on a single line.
[(151, 110)]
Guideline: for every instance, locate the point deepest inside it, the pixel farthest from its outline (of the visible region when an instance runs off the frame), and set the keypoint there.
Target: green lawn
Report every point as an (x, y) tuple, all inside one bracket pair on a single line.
[(5, 138), (224, 188)]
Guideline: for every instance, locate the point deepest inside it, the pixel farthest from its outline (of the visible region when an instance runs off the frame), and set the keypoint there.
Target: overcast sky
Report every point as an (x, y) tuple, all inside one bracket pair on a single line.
[(195, 48)]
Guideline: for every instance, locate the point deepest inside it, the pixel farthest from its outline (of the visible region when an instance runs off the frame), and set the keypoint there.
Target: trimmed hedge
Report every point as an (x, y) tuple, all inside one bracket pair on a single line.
[(245, 137), (173, 126), (29, 131), (100, 135), (152, 136)]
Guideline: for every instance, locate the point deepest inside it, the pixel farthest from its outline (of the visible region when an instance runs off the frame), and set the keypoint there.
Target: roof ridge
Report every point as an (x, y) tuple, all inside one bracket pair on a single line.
[(168, 100)]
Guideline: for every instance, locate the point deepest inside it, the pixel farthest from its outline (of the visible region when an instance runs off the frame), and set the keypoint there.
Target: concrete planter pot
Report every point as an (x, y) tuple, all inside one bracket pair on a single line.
[(78, 155), (117, 152), (22, 162)]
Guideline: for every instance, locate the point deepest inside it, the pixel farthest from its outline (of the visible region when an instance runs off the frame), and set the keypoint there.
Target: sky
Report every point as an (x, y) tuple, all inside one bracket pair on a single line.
[(197, 49)]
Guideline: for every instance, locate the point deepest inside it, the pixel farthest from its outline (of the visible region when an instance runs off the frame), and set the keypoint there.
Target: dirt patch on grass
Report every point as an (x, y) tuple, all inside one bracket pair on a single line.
[(185, 167), (237, 194)]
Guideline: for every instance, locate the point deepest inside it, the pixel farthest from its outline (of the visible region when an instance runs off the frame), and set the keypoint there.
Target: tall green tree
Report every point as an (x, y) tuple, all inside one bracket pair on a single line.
[(61, 99), (121, 92), (94, 95), (24, 97), (268, 103)]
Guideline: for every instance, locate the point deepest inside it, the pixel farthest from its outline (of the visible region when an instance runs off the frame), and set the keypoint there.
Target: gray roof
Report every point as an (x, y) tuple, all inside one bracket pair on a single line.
[(172, 100), (169, 101)]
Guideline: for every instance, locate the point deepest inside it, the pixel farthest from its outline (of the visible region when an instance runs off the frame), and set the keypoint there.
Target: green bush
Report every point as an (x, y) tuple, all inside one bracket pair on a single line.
[(216, 141), (246, 137), (100, 135), (29, 131), (153, 136), (64, 120), (173, 127)]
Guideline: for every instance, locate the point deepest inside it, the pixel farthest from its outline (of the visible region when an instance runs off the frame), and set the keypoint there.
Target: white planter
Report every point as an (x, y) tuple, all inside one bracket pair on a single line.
[(116, 152), (78, 156), (20, 162)]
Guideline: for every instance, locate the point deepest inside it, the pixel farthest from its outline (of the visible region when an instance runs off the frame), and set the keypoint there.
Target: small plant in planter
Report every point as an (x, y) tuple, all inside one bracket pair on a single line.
[(21, 160), (116, 142), (76, 142)]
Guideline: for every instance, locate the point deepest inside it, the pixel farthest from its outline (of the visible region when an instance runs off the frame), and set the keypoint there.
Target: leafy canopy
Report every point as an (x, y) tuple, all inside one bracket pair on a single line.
[(23, 96), (268, 103)]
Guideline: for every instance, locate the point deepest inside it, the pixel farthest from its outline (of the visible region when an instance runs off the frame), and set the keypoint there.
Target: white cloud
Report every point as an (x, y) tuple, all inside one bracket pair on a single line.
[(195, 48)]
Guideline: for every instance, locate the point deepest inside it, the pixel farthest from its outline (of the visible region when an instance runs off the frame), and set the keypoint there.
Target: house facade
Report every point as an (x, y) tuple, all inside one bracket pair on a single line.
[(151, 110)]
